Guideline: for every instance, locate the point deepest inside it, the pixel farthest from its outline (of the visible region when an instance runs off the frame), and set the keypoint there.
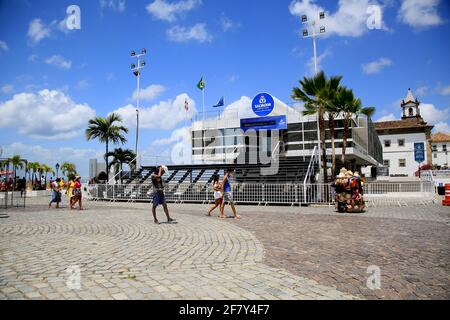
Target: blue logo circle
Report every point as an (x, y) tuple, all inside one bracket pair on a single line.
[(262, 104)]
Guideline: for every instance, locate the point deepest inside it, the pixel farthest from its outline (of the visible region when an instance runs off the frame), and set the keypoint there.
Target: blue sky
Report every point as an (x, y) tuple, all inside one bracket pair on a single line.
[(53, 79)]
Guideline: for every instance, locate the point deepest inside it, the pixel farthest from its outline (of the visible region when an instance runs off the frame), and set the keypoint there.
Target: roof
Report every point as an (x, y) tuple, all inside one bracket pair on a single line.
[(407, 123), (440, 137), (409, 97)]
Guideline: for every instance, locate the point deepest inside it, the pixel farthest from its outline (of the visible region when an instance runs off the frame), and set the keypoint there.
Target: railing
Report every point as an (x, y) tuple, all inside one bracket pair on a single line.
[(120, 171), (311, 170), (375, 194)]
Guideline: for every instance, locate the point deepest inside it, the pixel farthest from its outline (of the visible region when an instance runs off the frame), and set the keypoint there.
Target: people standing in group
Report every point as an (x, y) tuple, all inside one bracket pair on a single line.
[(218, 196), (77, 194), (158, 193), (56, 193), (228, 194)]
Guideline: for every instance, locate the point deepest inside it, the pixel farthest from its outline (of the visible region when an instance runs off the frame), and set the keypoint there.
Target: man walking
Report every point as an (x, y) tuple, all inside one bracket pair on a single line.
[(158, 193), (227, 194), (56, 193)]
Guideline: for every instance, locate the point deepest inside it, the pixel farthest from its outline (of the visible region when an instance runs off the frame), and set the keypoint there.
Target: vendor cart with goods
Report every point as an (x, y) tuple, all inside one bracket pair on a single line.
[(349, 192)]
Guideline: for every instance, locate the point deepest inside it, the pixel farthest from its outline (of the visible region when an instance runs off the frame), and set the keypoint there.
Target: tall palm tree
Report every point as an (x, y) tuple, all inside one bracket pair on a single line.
[(17, 163), (47, 169), (106, 131), (68, 169), (317, 93), (333, 111), (350, 106), (121, 157), (33, 166)]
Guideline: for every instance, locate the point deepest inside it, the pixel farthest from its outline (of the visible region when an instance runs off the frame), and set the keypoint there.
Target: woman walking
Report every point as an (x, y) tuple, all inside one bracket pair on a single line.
[(217, 195), (77, 193), (56, 193), (69, 191)]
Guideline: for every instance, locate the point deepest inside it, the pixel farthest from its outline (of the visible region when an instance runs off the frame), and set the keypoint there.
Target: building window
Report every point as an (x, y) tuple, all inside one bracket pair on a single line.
[(434, 148), (386, 163), (402, 163), (435, 155), (411, 112), (401, 142), (387, 143), (444, 147)]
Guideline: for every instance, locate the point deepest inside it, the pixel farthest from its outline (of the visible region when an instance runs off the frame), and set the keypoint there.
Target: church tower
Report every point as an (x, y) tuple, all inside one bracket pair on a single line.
[(410, 106)]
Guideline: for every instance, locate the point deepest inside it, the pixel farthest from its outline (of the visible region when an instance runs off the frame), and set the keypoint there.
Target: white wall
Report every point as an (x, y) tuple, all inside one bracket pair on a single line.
[(396, 152), (440, 157)]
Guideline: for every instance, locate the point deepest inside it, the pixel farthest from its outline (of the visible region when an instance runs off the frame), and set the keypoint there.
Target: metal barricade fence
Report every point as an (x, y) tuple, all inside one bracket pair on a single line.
[(264, 194)]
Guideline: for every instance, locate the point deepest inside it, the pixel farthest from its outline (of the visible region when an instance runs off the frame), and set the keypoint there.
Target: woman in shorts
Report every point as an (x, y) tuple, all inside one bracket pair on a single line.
[(217, 195)]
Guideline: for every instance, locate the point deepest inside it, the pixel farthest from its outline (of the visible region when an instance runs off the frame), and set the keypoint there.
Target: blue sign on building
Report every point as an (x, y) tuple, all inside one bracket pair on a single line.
[(263, 104), (264, 123), (419, 152)]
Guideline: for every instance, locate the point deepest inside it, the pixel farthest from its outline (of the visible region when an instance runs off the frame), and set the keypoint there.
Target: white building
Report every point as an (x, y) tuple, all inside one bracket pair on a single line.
[(440, 143), (95, 168), (398, 138)]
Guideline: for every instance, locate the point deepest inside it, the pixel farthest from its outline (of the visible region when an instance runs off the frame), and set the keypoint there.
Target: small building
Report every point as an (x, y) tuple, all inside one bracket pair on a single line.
[(439, 144), (95, 168), (398, 138)]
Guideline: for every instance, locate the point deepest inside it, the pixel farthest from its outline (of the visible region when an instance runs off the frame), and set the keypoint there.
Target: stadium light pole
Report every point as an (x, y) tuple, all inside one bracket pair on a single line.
[(306, 34), (137, 72)]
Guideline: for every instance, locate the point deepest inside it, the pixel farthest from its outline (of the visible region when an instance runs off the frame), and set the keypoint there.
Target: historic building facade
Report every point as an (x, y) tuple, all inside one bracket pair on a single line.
[(398, 137), (440, 143)]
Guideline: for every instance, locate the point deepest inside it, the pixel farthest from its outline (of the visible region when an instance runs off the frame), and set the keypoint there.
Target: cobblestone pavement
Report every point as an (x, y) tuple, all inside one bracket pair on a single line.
[(123, 255)]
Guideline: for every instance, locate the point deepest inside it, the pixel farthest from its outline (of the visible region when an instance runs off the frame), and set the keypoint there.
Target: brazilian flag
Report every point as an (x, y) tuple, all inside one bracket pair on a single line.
[(201, 84)]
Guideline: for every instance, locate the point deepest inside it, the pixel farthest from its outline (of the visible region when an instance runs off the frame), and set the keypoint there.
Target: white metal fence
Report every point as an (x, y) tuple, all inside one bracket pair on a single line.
[(375, 194)]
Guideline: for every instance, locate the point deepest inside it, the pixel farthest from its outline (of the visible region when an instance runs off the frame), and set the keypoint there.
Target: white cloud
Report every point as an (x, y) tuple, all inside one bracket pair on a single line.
[(37, 31), (169, 11), (3, 46), (115, 5), (445, 91), (7, 88), (47, 114), (389, 117), (164, 115), (197, 32), (32, 58), (420, 13), (149, 93), (421, 91), (82, 84), (442, 127), (227, 24), (349, 20), (177, 147), (376, 66), (59, 62), (433, 115), (241, 108)]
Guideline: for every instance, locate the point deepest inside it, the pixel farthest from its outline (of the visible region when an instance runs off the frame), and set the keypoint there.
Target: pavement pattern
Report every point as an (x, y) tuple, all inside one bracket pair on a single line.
[(122, 254)]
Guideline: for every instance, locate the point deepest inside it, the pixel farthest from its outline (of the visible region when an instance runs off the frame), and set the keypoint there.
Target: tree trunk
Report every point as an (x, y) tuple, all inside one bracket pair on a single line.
[(120, 173), (344, 139), (323, 145), (106, 162), (333, 149)]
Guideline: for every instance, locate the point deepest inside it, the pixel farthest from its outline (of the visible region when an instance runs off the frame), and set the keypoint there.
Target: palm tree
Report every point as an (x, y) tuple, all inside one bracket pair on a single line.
[(350, 105), (69, 170), (106, 131), (317, 93), (17, 163), (121, 157), (47, 169), (34, 166), (333, 111)]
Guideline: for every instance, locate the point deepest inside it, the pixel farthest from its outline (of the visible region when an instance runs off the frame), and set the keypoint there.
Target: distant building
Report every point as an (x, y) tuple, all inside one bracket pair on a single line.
[(440, 142), (95, 168), (398, 137)]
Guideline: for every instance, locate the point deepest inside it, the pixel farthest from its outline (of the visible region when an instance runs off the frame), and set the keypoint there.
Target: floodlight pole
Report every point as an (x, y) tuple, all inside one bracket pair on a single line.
[(137, 71), (314, 35)]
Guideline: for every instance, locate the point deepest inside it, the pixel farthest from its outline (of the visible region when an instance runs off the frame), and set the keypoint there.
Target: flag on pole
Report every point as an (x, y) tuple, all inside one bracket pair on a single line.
[(219, 104), (186, 105), (201, 84)]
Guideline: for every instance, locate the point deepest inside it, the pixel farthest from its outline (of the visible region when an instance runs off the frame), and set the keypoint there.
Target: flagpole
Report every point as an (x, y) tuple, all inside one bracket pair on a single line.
[(203, 100)]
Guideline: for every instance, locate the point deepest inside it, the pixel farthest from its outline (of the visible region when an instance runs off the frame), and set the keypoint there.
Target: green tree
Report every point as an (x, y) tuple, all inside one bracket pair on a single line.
[(317, 93), (106, 131), (69, 170), (17, 163), (121, 157), (33, 167), (47, 169)]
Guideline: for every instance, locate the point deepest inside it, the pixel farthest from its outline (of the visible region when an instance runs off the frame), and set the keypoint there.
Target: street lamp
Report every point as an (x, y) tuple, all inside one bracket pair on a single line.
[(136, 68), (57, 169), (306, 34)]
